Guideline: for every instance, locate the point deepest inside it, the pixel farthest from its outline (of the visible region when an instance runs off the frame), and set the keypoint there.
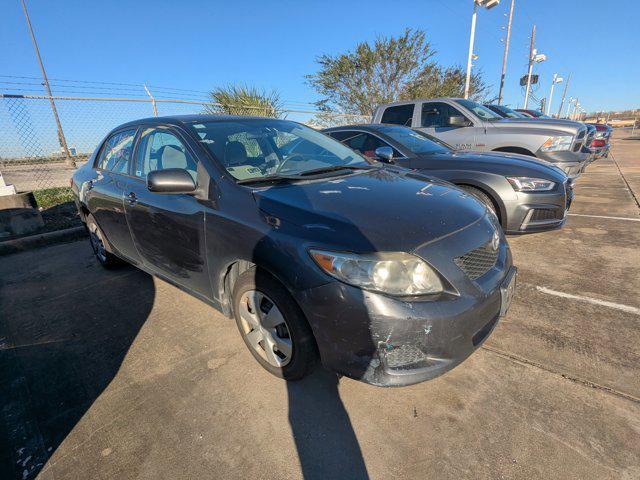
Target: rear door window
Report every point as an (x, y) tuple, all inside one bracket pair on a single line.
[(436, 114), (398, 115), (365, 143), (116, 152)]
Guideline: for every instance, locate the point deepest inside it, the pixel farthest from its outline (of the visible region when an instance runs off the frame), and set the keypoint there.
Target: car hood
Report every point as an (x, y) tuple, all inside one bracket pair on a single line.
[(380, 210), (491, 162), (537, 123)]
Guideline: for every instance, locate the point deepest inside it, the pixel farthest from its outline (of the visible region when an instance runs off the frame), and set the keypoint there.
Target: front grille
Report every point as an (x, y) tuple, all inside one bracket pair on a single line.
[(478, 262), (404, 356), (543, 214)]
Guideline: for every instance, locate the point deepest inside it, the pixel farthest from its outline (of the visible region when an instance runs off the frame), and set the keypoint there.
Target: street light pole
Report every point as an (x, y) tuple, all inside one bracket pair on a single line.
[(63, 141), (531, 54), (506, 52), (568, 107), (488, 4), (564, 95), (472, 35), (554, 80)]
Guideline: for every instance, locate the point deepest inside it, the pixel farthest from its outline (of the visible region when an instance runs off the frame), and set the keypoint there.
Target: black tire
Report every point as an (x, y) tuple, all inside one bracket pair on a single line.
[(483, 197), (100, 245), (304, 351)]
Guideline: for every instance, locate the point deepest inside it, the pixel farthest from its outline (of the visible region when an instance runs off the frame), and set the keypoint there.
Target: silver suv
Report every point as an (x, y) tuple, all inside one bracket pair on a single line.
[(467, 125)]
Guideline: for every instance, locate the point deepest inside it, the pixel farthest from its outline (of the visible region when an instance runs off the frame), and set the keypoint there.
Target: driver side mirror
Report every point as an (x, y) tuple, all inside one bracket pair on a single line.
[(385, 154), (170, 180), (459, 121)]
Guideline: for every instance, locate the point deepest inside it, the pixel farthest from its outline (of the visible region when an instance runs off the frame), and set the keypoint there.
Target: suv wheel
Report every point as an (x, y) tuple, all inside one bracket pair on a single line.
[(272, 326), (98, 243)]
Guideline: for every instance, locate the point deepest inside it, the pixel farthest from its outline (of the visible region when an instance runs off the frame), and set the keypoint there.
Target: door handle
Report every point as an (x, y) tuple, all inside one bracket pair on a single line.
[(131, 198)]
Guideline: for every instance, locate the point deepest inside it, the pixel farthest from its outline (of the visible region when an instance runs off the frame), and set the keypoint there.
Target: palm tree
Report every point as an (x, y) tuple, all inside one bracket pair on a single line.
[(245, 100)]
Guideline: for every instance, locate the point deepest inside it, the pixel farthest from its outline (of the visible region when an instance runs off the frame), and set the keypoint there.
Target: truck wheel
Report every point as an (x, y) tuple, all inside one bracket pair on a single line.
[(272, 326), (98, 243), (483, 197)]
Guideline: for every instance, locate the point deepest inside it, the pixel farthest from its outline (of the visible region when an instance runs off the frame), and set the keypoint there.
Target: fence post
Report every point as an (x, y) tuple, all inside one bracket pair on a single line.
[(153, 101)]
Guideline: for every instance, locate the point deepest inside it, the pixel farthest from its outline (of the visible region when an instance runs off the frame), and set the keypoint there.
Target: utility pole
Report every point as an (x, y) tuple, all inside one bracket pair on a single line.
[(506, 53), (531, 55), (564, 94), (63, 141)]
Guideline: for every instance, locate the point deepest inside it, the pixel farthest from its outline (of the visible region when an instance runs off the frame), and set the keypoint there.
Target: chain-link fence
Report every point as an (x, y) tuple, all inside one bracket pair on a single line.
[(31, 156)]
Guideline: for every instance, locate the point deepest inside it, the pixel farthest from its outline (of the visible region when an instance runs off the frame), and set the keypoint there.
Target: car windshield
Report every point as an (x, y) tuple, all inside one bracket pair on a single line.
[(418, 143), (508, 112), (480, 110), (255, 149)]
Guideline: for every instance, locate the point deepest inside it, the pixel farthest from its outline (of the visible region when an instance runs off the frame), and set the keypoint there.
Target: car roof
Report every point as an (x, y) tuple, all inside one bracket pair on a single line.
[(363, 126), (193, 118)]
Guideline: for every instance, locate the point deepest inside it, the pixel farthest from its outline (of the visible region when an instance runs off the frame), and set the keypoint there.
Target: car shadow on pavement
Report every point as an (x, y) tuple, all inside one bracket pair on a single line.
[(58, 354), (325, 440), (326, 443)]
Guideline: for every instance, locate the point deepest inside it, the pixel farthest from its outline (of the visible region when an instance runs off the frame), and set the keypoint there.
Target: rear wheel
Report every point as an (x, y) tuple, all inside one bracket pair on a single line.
[(272, 326), (483, 197), (99, 245)]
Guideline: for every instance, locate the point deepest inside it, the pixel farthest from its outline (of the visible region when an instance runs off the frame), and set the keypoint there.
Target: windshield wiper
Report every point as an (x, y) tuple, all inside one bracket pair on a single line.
[(335, 168), (268, 179)]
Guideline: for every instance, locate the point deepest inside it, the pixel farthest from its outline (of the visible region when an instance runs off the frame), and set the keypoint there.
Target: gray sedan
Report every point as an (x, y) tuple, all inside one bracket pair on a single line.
[(527, 194)]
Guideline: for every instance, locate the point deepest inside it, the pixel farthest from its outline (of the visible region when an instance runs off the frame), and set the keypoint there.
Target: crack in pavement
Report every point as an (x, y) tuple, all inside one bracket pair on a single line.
[(580, 381)]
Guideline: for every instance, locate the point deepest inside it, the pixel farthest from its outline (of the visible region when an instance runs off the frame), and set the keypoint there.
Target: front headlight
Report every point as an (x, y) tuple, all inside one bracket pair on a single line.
[(391, 273), (556, 144), (530, 184)]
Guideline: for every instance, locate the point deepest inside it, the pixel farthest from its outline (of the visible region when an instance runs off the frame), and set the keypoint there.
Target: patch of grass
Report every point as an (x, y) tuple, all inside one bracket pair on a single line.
[(57, 208), (50, 197)]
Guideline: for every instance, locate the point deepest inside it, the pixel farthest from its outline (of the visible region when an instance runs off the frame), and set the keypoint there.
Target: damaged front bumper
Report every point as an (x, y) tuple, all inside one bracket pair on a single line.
[(395, 341)]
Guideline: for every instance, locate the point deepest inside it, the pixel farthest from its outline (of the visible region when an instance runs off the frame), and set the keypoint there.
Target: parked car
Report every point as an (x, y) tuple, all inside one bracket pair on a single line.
[(601, 140), (526, 194), (505, 112), (387, 275), (531, 113), (467, 125)]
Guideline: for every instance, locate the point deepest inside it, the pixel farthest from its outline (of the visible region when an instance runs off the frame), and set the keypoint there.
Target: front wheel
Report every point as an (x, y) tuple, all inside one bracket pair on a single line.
[(272, 326), (482, 197)]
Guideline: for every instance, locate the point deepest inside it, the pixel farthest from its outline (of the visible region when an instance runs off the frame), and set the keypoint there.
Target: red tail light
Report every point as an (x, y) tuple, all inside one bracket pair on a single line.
[(597, 143)]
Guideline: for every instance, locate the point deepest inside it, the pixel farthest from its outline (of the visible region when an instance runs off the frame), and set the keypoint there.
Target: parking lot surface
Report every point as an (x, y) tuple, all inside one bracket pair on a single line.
[(115, 374)]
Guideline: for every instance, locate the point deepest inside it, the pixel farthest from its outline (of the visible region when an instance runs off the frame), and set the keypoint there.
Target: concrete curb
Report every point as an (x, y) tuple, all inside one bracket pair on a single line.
[(43, 239)]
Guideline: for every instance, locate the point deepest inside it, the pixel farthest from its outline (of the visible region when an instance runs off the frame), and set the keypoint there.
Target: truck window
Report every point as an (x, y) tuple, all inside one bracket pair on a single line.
[(436, 114), (398, 115)]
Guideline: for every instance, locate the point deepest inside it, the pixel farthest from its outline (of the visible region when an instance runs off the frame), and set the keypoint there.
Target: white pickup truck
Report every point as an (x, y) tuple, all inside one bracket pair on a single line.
[(468, 125)]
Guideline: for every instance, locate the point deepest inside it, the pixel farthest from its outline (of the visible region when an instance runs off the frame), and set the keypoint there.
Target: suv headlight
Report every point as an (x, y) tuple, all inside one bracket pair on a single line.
[(391, 273), (556, 144), (530, 184)]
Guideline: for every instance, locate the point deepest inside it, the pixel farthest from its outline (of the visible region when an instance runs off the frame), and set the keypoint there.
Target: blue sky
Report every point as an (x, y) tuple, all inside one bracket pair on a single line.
[(197, 45)]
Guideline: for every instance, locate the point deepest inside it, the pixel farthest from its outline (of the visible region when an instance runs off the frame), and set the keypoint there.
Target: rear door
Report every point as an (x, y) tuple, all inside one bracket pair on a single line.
[(435, 119), (168, 229), (106, 192)]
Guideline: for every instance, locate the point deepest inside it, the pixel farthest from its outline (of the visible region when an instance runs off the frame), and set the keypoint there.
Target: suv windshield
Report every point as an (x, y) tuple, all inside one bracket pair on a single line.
[(417, 142), (253, 149), (480, 110)]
